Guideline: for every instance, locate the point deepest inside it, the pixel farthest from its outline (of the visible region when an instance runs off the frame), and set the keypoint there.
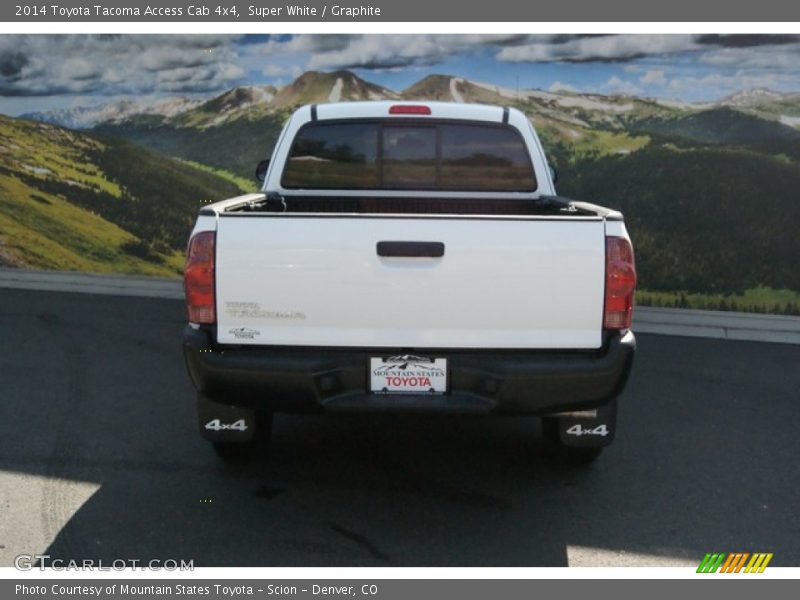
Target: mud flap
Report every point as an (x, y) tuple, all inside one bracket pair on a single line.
[(224, 422), (583, 430)]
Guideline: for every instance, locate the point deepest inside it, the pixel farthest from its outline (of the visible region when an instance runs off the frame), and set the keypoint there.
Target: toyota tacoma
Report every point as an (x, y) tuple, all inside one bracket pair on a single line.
[(409, 257)]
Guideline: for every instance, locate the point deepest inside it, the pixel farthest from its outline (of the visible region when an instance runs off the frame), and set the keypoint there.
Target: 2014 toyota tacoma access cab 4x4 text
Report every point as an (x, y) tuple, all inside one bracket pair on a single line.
[(409, 257)]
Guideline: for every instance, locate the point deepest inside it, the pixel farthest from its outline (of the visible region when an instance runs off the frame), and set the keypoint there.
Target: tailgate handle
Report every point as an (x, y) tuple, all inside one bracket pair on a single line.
[(411, 249)]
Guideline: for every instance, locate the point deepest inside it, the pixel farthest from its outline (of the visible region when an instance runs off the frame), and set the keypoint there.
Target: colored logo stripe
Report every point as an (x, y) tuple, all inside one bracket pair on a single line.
[(758, 563), (734, 562), (710, 563)]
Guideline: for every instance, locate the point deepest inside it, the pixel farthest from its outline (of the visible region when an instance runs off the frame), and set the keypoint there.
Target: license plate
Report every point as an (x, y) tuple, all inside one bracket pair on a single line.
[(408, 374)]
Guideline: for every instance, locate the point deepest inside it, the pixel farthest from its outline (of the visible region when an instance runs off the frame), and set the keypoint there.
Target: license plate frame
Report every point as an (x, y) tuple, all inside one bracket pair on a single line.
[(408, 374)]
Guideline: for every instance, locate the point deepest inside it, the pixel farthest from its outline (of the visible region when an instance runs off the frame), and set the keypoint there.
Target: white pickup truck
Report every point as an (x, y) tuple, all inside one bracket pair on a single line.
[(409, 257)]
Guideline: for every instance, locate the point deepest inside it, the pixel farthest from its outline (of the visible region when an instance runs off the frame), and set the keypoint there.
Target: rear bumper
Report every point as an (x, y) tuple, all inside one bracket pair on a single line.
[(292, 379)]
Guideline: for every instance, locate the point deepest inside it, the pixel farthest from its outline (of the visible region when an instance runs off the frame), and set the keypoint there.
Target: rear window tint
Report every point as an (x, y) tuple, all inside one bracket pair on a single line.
[(339, 156), (409, 155)]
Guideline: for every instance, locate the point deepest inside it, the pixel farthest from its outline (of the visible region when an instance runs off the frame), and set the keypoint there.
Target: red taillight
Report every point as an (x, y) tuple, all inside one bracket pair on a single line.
[(409, 109), (198, 278), (620, 284)]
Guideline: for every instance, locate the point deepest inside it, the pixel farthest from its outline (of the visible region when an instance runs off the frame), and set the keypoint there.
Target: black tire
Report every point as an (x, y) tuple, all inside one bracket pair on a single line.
[(550, 437), (580, 457), (239, 452), (570, 455)]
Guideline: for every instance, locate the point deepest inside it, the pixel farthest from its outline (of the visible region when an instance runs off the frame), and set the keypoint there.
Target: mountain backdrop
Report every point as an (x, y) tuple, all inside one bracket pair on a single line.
[(709, 190)]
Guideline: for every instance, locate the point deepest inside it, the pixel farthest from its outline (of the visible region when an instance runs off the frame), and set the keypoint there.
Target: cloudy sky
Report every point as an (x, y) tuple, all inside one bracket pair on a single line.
[(43, 72)]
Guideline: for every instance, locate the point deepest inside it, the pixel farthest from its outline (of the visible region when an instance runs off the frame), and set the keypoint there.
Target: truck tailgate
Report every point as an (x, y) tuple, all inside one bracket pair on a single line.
[(307, 280)]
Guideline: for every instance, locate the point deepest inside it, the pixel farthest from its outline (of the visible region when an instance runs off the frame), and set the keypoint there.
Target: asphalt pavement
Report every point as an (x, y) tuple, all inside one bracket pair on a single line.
[(100, 458)]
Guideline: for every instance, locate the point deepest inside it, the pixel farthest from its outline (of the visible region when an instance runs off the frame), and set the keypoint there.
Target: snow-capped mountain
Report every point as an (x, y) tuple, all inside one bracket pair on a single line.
[(86, 117), (752, 98)]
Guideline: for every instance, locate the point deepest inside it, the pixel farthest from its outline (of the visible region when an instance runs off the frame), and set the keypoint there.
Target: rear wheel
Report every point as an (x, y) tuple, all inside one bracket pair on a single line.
[(579, 457)]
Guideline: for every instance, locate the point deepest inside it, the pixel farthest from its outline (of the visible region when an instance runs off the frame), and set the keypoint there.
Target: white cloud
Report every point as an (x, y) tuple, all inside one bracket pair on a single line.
[(402, 50), (80, 68), (725, 83), (653, 77), (599, 48), (116, 64), (558, 86), (382, 51), (276, 70), (762, 57), (615, 85)]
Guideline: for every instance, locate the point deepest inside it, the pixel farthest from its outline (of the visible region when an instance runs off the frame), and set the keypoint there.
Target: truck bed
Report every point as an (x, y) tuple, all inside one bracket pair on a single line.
[(415, 205)]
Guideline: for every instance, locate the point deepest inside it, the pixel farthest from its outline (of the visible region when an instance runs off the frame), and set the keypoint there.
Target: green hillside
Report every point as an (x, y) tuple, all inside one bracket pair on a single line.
[(705, 219), (235, 146), (72, 201), (728, 127)]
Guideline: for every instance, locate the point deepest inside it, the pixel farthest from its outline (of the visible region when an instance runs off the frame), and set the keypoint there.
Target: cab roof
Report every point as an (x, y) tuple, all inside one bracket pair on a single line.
[(380, 109)]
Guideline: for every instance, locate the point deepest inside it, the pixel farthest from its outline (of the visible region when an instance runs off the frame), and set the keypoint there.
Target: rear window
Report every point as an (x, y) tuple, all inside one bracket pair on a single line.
[(396, 155)]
